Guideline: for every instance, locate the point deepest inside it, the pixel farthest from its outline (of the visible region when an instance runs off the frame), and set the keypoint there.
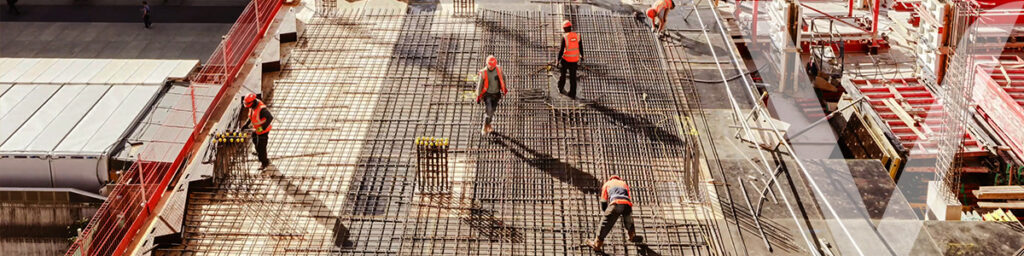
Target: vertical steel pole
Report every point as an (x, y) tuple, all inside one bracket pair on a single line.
[(753, 29), (874, 23), (851, 9)]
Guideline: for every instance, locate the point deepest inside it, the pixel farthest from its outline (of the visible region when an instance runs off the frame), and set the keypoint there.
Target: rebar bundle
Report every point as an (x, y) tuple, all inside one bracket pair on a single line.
[(231, 149), (432, 165)]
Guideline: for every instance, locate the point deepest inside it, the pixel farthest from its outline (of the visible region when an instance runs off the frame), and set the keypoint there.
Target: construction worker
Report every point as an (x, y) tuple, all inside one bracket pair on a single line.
[(658, 13), (569, 57), (260, 118), (489, 90), (615, 200)]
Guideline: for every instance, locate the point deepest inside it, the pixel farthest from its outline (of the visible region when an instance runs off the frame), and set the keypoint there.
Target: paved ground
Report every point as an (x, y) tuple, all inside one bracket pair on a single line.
[(123, 13), (109, 40)]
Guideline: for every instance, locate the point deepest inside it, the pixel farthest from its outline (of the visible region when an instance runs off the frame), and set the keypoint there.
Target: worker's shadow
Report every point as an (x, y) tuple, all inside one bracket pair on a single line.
[(315, 207), (643, 249), (640, 125), (562, 171)]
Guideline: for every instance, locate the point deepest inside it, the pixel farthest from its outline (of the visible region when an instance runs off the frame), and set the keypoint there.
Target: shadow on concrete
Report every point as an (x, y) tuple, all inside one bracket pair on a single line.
[(481, 220), (562, 171), (315, 207), (639, 125)]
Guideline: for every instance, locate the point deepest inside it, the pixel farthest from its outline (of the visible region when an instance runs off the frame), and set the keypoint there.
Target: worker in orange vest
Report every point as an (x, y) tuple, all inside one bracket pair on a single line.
[(260, 119), (489, 90), (658, 13), (615, 200), (569, 57)]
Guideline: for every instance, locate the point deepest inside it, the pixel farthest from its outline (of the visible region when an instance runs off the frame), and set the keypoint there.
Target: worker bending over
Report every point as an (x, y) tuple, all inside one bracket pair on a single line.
[(569, 57), (489, 90), (260, 119), (615, 200), (658, 13)]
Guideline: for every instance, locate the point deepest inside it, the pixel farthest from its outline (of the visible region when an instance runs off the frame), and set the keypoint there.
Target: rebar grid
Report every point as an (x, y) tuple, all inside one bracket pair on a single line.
[(360, 87), (956, 92)]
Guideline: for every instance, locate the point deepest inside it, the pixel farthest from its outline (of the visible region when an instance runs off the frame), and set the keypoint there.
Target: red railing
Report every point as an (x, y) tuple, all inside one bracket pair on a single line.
[(138, 190)]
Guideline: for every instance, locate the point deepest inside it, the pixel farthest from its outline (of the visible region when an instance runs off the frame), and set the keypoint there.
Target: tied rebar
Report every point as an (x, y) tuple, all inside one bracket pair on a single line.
[(232, 148), (432, 165)]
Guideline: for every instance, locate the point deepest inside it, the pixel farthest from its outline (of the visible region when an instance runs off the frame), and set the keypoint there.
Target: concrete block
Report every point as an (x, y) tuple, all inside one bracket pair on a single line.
[(940, 204), (288, 30)]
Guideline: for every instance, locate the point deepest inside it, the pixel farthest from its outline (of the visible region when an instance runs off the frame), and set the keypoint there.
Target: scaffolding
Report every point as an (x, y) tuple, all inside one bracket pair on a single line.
[(361, 86)]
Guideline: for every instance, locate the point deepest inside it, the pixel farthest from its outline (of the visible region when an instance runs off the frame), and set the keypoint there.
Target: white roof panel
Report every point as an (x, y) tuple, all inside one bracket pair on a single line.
[(74, 67), (69, 118), (184, 67), (25, 108), (40, 118), (93, 121), (19, 68), (119, 75), (146, 68), (7, 64), (4, 87), (39, 68), (11, 98), (160, 73), (54, 119), (91, 70), (130, 108), (51, 73)]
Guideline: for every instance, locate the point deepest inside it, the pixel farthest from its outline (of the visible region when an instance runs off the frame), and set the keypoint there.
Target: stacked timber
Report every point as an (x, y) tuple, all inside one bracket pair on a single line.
[(1008, 197)]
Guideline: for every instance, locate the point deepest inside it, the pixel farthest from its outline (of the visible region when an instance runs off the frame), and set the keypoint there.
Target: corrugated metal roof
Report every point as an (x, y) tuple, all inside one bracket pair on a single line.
[(76, 105), (52, 109)]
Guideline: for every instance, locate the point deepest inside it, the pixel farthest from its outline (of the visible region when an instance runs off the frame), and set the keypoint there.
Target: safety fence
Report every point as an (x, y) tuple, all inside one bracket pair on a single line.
[(139, 189)]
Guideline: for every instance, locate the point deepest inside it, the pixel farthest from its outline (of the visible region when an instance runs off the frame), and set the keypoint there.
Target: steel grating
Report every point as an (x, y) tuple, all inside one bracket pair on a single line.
[(360, 87)]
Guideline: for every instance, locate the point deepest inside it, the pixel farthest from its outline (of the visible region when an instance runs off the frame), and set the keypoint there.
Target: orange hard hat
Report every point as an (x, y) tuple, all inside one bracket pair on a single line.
[(492, 61), (249, 99), (651, 13), (566, 24), (614, 177)]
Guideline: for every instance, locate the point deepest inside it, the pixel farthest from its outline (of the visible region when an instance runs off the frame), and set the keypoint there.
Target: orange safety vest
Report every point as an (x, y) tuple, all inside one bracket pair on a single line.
[(257, 122), (572, 47), (663, 5), (616, 192), (483, 75)]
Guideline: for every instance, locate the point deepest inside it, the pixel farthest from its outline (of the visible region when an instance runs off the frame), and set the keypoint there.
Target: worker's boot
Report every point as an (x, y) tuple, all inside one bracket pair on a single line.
[(632, 237), (595, 244)]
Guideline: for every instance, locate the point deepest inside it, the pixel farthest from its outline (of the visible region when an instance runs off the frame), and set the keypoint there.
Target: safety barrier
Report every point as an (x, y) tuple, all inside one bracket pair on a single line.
[(138, 190)]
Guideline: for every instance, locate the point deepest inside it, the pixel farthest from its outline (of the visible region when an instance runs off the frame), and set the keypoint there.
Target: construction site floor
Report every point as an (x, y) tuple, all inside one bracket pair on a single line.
[(361, 84)]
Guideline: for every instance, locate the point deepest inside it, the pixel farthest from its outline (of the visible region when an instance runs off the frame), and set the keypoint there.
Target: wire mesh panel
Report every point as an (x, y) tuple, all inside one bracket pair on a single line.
[(957, 89), (359, 89)]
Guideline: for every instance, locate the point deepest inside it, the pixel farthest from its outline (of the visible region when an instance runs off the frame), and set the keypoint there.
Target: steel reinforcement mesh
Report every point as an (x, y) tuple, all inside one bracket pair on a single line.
[(360, 87)]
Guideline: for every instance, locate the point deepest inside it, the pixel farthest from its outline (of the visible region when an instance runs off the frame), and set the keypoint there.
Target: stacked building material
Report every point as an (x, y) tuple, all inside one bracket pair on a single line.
[(1010, 197), (912, 112), (999, 93)]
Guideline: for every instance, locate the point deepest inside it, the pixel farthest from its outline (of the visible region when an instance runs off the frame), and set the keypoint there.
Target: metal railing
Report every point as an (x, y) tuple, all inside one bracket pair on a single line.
[(137, 192)]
